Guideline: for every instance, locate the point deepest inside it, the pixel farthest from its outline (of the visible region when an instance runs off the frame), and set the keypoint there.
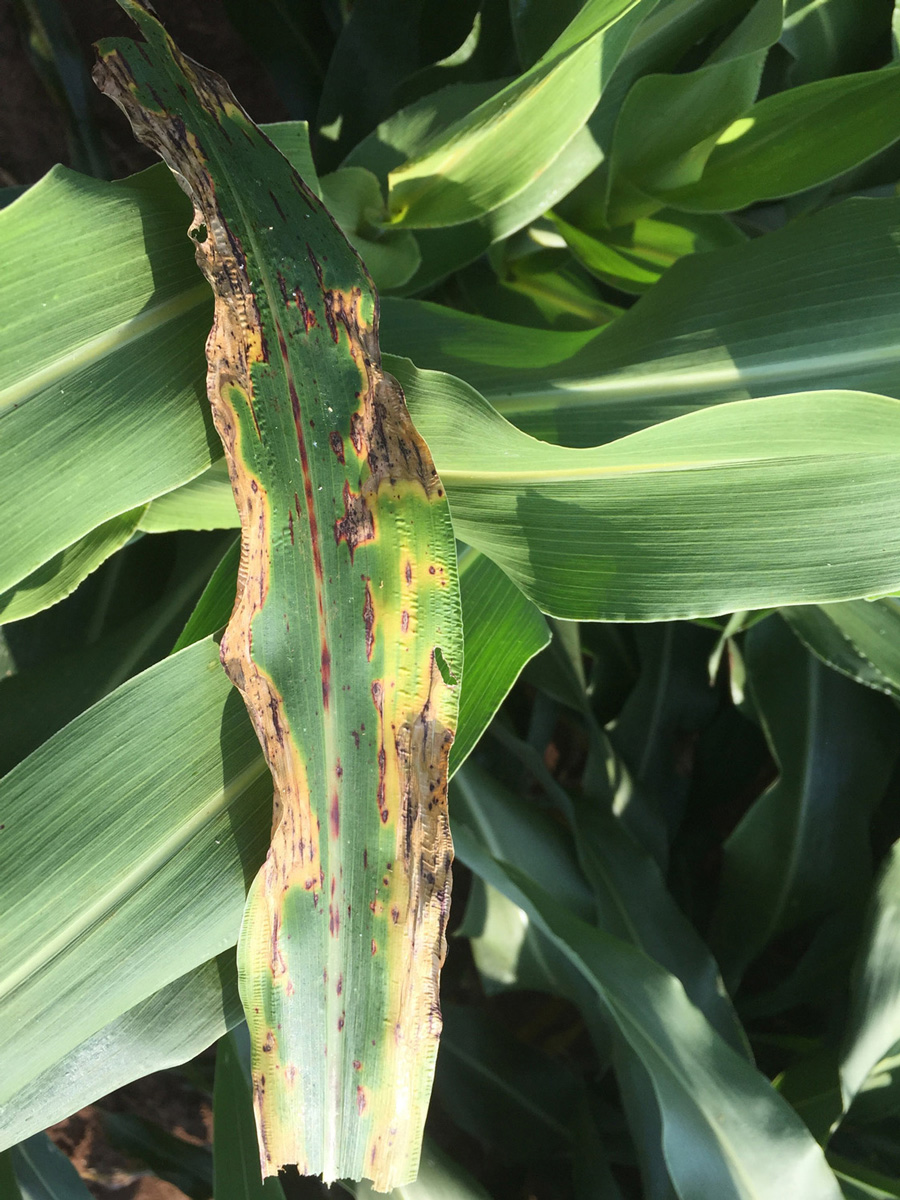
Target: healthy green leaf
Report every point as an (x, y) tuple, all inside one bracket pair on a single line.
[(860, 638), (795, 140), (814, 305), (492, 154), (726, 1131), (503, 630), (669, 124), (175, 747), (802, 850), (633, 258), (701, 515), (168, 1028), (60, 575)]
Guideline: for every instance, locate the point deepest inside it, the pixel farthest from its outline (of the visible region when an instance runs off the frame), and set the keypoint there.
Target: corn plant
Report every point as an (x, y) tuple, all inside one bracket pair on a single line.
[(551, 380)]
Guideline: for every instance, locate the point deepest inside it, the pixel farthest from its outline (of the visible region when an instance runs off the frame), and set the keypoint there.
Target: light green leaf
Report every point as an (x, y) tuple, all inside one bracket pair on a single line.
[(860, 638), (633, 258), (492, 154), (873, 1024), (168, 1028), (353, 197), (174, 746), (815, 305), (61, 575), (503, 630), (669, 124), (406, 134), (749, 505), (205, 502), (102, 360), (795, 140)]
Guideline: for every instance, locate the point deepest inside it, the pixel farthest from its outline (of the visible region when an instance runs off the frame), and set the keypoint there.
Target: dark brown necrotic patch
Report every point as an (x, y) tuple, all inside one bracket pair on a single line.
[(357, 525)]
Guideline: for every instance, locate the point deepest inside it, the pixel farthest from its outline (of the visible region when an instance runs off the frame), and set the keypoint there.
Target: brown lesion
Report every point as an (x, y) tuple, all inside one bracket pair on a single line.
[(236, 341), (357, 525)]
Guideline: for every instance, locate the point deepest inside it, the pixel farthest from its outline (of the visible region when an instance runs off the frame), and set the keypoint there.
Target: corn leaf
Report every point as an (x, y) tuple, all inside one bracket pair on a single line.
[(345, 641)]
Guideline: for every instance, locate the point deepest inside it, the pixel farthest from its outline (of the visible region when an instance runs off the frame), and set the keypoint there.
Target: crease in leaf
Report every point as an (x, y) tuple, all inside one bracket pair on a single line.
[(347, 588)]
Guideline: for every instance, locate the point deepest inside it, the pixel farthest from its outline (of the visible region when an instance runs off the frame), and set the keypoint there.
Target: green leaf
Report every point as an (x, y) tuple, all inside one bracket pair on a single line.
[(860, 638), (408, 132), (175, 746), (44, 1173), (795, 140), (168, 1028), (833, 37), (802, 850), (750, 505), (503, 630), (205, 502), (491, 155), (873, 1023), (236, 1173), (669, 124), (633, 258), (354, 199), (858, 1182), (101, 360), (726, 1132), (60, 575), (814, 305)]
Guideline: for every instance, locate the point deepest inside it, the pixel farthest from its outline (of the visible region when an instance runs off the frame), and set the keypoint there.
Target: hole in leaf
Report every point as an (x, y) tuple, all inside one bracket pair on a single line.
[(199, 234), (442, 665)]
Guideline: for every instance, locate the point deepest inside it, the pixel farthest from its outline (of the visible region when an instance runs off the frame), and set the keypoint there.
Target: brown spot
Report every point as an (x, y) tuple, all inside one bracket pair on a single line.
[(361, 1100), (431, 570), (374, 946), (357, 1065), (408, 571), (404, 621), (291, 525), (274, 200), (395, 914), (357, 433), (340, 1022), (357, 525), (337, 445), (326, 675), (309, 317), (369, 621), (340, 984), (334, 817), (339, 770), (269, 1043)]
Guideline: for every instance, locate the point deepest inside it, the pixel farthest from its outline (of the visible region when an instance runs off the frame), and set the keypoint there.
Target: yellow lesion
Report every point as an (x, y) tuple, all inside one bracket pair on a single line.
[(419, 711)]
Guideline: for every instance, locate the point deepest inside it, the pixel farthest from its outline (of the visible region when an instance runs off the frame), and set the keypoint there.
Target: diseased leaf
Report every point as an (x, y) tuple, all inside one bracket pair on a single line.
[(345, 640)]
